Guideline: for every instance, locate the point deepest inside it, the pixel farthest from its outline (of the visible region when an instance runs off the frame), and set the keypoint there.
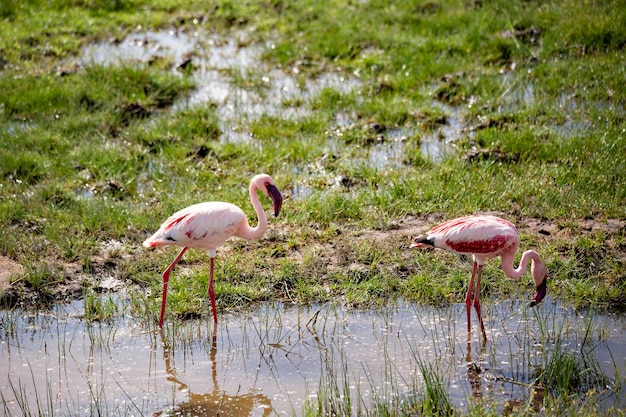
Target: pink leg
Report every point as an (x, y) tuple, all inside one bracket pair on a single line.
[(468, 298), (166, 279), (477, 302), (212, 292)]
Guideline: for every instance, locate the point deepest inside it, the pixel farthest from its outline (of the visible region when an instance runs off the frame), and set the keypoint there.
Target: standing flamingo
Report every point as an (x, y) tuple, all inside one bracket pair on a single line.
[(207, 225), (485, 237)]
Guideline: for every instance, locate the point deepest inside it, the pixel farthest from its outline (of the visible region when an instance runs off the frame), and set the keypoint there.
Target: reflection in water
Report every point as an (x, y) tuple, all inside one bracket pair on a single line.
[(215, 402), (280, 359), (481, 383), (473, 369)]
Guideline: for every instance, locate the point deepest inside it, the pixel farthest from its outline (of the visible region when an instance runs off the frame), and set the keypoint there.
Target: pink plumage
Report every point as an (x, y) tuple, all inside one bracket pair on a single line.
[(203, 225), (207, 225), (485, 237), (482, 236)]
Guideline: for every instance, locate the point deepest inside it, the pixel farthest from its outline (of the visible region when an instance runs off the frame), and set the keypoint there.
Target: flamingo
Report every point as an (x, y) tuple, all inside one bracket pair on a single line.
[(485, 237), (207, 225)]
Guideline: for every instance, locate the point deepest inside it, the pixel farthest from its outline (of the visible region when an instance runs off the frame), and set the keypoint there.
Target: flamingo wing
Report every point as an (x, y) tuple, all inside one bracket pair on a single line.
[(486, 235), (203, 225)]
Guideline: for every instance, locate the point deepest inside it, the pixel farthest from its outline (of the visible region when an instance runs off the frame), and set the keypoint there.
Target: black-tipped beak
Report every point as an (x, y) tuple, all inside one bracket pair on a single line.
[(423, 241), (540, 294), (276, 197)]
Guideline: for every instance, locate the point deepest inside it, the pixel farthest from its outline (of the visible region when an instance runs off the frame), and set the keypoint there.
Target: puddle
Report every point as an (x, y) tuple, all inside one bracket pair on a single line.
[(85, 192), (13, 128), (390, 152), (516, 93), (141, 48), (437, 144), (228, 72), (275, 359), (579, 114)]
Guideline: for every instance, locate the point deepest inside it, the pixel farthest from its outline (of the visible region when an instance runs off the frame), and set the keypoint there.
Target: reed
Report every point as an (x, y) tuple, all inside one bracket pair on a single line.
[(100, 308)]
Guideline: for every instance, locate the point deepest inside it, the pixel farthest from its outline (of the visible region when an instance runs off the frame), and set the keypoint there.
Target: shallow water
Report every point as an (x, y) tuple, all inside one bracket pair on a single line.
[(276, 358)]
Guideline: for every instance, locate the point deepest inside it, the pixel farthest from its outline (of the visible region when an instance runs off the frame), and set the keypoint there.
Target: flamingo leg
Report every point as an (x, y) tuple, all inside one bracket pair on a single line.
[(477, 302), (212, 292), (166, 279), (468, 298)]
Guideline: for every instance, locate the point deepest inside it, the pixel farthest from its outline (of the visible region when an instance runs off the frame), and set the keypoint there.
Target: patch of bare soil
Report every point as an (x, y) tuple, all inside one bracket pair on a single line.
[(8, 268), (15, 289)]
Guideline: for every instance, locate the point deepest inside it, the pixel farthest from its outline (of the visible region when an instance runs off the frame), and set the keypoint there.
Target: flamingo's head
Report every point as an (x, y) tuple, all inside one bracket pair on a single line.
[(422, 241), (266, 184), (539, 273)]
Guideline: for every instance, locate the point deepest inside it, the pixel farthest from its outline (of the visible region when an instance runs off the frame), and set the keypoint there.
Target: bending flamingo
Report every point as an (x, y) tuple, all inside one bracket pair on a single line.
[(207, 225), (485, 237)]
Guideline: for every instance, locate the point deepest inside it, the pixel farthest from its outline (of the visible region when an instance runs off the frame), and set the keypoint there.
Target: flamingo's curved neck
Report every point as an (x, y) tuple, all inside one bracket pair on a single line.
[(248, 232), (515, 273)]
